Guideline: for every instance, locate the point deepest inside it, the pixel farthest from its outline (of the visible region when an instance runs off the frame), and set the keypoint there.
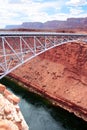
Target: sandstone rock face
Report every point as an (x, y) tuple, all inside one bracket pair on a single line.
[(61, 75), (10, 115)]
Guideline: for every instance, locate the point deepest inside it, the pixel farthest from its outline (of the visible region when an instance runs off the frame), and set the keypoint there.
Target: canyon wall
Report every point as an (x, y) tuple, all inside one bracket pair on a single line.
[(61, 75)]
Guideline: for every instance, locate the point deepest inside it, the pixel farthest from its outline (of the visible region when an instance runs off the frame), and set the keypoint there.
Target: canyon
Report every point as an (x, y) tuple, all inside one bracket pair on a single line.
[(60, 75)]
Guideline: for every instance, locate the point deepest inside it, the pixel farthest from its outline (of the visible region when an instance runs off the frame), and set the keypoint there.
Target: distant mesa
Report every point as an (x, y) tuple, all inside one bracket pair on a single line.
[(70, 23)]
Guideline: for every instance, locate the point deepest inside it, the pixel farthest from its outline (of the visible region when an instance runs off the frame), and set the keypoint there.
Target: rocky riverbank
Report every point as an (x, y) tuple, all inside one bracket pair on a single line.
[(11, 117), (60, 74)]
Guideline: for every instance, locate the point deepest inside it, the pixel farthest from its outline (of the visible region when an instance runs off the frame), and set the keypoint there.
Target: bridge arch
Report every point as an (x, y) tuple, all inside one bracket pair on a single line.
[(16, 48)]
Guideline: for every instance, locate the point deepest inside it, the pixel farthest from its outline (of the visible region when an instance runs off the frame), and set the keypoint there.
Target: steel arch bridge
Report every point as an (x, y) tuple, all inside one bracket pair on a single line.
[(16, 48)]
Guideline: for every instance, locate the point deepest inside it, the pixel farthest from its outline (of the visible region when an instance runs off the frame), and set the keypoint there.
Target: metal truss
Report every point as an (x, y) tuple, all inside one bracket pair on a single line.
[(16, 48)]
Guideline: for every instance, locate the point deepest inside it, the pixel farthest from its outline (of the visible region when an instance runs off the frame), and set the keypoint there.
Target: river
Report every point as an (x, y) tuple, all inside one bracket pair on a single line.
[(40, 114)]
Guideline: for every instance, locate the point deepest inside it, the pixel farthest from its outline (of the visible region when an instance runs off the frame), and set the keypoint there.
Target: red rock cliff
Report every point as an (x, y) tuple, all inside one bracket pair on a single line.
[(61, 75)]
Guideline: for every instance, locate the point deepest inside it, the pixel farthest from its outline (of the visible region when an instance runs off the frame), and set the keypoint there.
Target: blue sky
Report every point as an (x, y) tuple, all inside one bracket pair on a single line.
[(18, 11)]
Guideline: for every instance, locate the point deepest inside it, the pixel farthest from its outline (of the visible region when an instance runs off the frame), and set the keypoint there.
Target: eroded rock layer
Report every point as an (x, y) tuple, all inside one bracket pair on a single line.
[(10, 115), (61, 75)]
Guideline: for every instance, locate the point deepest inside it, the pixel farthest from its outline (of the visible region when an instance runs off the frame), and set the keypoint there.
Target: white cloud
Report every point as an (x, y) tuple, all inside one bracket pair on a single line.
[(13, 12), (76, 11), (14, 1), (76, 8), (18, 11), (76, 2)]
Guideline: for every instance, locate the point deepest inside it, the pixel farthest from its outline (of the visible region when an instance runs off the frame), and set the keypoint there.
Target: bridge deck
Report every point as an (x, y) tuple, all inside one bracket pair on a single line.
[(19, 33)]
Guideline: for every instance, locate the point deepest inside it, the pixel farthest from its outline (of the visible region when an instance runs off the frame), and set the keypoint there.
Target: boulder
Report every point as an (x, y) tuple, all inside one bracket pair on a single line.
[(11, 117)]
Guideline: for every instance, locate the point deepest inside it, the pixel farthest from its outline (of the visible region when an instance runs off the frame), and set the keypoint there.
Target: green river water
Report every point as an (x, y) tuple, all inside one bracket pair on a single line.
[(40, 114)]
